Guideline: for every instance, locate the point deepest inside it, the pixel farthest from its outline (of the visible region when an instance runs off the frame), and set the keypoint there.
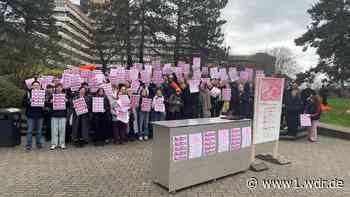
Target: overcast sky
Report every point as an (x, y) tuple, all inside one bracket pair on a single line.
[(257, 25)]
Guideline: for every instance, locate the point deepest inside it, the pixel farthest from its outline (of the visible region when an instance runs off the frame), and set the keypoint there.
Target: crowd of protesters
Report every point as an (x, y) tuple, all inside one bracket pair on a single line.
[(104, 127)]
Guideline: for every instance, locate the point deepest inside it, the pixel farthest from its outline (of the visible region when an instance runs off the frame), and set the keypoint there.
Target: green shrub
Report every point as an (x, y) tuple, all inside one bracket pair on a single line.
[(10, 95)]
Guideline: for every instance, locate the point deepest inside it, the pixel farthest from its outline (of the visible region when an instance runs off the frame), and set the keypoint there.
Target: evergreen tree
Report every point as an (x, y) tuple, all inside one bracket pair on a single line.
[(329, 33)]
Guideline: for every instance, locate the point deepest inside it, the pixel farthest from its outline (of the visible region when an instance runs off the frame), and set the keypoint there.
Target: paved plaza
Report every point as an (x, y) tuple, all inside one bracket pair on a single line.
[(125, 170)]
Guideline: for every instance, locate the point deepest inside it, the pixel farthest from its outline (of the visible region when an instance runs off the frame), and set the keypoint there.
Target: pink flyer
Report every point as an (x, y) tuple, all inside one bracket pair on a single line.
[(180, 148), (235, 139)]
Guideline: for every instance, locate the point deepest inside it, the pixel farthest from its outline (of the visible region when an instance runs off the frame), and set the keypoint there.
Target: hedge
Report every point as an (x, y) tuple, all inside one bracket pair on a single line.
[(10, 94)]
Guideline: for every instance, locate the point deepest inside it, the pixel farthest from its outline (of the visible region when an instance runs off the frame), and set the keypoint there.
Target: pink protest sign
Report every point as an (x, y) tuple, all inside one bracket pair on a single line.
[(29, 83), (124, 102), (145, 77), (107, 87), (146, 105), (205, 71), (197, 75), (179, 74), (138, 66), (134, 101), (195, 145), (45, 80), (148, 68), (214, 73), (59, 101), (223, 140), (123, 116), (134, 74), (80, 106), (259, 74), (157, 77), (100, 78), (186, 68), (167, 69), (246, 137), (223, 74), (194, 86), (127, 75), (244, 76), (196, 62), (209, 143), (271, 89), (85, 74), (38, 98), (66, 80), (235, 139), (156, 65), (226, 94), (75, 83), (98, 105), (180, 147), (233, 74), (159, 105), (305, 120), (135, 85)]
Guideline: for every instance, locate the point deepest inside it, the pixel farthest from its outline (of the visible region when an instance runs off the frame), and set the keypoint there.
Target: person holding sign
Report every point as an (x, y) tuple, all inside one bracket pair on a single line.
[(34, 114), (314, 109), (158, 106), (175, 105), (59, 117), (81, 125), (101, 107), (205, 102), (143, 114), (120, 118)]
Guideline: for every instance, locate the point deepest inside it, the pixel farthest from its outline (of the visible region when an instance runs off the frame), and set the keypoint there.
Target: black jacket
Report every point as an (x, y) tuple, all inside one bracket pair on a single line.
[(31, 112)]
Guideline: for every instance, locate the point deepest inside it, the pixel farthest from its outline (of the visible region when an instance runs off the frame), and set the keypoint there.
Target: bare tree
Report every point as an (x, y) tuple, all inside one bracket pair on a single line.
[(285, 61)]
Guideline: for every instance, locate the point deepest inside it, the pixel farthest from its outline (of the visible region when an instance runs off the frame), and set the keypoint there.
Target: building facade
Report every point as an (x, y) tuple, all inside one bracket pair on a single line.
[(74, 27)]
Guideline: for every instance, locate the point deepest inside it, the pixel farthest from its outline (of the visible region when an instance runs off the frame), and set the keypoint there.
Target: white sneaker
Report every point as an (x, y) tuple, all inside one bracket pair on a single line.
[(140, 138), (53, 147), (63, 146), (146, 137)]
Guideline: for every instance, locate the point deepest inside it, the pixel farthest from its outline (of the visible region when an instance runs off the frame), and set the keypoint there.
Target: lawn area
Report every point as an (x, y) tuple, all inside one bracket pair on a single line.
[(338, 114)]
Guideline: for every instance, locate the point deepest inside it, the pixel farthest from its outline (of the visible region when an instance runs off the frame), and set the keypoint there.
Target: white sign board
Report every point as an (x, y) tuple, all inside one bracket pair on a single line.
[(268, 109)]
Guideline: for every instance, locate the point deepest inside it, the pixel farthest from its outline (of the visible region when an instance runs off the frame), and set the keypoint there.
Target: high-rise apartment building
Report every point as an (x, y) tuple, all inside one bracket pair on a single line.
[(74, 27)]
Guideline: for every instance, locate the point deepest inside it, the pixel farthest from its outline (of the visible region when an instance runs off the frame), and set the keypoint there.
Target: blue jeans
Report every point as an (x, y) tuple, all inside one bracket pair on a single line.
[(58, 131), (31, 124), (143, 123), (158, 116)]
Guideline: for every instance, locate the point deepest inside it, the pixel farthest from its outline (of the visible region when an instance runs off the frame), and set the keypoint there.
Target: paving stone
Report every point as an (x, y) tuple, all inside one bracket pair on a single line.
[(116, 171)]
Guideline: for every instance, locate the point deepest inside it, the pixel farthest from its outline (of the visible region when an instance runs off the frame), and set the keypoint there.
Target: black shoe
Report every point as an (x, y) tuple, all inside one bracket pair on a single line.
[(28, 149), (39, 146)]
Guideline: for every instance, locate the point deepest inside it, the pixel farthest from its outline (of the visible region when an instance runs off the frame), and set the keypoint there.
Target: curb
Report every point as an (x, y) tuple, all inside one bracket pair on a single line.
[(333, 133)]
